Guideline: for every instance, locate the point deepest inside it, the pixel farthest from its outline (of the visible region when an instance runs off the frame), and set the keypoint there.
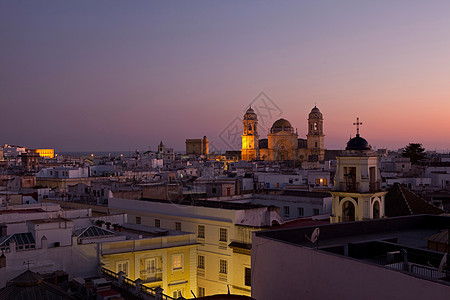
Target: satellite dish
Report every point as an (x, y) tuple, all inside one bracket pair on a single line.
[(443, 263), (314, 236)]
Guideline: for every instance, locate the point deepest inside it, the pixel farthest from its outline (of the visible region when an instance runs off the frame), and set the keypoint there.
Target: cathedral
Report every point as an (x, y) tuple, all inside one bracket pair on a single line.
[(282, 141)]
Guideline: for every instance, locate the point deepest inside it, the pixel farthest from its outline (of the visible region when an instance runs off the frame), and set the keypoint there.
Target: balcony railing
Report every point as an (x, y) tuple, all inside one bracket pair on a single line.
[(151, 276), (136, 287)]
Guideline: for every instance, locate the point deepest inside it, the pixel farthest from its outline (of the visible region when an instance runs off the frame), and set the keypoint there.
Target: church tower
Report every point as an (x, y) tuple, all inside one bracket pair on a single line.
[(357, 193), (250, 137), (315, 137)]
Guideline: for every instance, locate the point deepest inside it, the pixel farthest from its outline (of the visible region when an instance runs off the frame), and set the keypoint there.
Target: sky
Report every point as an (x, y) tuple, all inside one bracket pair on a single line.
[(124, 75)]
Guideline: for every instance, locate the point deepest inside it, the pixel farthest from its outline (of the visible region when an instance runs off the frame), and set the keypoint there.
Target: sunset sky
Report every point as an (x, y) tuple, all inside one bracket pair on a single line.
[(124, 75)]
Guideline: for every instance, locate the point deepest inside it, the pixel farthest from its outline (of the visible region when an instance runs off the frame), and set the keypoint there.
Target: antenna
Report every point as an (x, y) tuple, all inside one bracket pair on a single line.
[(443, 263), (314, 237)]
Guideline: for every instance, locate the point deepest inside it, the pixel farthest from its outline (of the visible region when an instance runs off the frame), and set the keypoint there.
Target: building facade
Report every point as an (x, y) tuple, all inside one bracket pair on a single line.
[(357, 193), (282, 141)]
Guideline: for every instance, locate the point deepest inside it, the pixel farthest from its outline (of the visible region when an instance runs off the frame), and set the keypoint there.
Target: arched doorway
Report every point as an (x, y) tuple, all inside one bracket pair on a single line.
[(376, 210), (348, 212)]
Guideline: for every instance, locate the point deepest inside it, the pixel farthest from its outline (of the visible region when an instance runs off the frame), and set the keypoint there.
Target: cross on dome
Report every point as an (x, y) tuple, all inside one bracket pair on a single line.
[(357, 123)]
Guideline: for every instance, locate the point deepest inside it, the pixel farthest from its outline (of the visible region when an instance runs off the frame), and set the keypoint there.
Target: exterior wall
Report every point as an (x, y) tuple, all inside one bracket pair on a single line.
[(166, 276), (210, 246), (362, 164), (49, 153), (197, 146), (76, 260), (62, 183), (276, 180), (284, 271), (363, 204), (165, 191), (294, 204), (190, 217)]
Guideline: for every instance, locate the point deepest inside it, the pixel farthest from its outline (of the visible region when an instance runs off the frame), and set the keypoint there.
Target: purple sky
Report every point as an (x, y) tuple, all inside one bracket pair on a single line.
[(123, 75)]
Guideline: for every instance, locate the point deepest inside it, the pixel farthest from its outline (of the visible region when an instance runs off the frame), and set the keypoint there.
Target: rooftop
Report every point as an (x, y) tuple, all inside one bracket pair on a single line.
[(399, 243)]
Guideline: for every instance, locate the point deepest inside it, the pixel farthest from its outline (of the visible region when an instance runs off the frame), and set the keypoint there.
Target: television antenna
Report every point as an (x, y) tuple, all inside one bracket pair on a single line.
[(443, 263), (314, 237)]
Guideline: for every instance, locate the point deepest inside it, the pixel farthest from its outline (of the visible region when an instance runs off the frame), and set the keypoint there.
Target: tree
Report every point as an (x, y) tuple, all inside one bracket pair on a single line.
[(415, 152)]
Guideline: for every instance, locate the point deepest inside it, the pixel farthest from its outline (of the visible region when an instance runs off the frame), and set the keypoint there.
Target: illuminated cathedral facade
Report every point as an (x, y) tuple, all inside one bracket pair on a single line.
[(282, 141)]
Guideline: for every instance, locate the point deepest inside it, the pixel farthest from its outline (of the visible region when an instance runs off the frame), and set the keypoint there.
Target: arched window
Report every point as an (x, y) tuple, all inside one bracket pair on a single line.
[(376, 210), (348, 212)]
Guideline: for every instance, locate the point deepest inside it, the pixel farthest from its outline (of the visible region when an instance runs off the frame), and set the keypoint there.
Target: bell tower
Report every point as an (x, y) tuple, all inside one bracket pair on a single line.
[(250, 137), (357, 193), (315, 136)]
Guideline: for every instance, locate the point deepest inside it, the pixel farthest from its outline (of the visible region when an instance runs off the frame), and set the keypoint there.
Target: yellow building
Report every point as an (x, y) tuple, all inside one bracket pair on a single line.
[(49, 153), (223, 234), (167, 261)]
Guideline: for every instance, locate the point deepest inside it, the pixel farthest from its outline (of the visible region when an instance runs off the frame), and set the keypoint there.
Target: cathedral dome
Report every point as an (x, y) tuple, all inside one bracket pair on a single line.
[(358, 143), (250, 114), (315, 113), (282, 124)]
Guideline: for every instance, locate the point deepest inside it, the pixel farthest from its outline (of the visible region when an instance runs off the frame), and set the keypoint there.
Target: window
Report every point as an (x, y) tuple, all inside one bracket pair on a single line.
[(301, 212), (316, 211), (214, 190), (122, 266), (177, 262), (248, 277), (201, 262), (223, 266), (178, 226), (201, 231), (177, 293), (223, 235), (157, 223), (138, 220), (201, 292), (150, 265), (286, 211)]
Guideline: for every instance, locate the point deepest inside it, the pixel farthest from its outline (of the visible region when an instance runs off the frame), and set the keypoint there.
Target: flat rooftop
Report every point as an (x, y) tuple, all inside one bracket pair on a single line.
[(208, 203), (399, 243)]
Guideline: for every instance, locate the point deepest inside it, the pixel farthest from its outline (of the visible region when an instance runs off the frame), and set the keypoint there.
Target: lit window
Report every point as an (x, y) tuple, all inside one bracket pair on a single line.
[(178, 226), (122, 266), (223, 235), (177, 261), (201, 231), (201, 262), (223, 266), (157, 223)]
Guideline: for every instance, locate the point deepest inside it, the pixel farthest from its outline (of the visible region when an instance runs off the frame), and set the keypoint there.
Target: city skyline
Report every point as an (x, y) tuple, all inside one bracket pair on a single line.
[(112, 76)]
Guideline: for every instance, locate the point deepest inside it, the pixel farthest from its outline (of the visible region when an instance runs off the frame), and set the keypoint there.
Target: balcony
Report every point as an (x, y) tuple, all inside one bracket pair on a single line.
[(148, 276)]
